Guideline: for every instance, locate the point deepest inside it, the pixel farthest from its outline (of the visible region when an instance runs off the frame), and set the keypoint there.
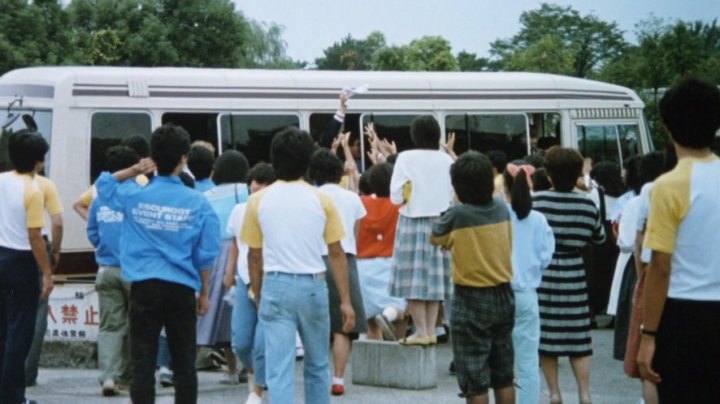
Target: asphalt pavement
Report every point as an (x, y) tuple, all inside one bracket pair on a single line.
[(608, 384)]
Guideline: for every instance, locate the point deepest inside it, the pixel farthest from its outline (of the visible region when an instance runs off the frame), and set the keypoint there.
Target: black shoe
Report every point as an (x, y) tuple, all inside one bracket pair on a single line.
[(452, 368)]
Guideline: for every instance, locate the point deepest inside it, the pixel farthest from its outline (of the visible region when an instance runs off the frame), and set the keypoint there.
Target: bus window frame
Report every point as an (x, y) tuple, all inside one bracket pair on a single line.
[(609, 122), (95, 111), (363, 154), (446, 132), (296, 114)]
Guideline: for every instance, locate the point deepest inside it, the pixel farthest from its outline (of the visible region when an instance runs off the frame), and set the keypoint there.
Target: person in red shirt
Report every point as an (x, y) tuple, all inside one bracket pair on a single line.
[(375, 241)]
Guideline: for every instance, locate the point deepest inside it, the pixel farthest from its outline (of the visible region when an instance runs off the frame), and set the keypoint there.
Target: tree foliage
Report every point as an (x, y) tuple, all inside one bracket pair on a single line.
[(198, 33), (351, 53), (554, 30)]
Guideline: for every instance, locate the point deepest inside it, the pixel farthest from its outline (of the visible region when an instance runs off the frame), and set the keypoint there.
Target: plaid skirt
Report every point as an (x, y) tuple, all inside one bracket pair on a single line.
[(420, 270)]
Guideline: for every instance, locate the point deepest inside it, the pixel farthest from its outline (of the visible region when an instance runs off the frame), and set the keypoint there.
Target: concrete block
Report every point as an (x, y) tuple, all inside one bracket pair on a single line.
[(389, 364)]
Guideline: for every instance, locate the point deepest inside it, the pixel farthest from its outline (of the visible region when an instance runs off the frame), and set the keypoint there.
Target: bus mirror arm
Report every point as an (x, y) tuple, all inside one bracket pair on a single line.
[(11, 118)]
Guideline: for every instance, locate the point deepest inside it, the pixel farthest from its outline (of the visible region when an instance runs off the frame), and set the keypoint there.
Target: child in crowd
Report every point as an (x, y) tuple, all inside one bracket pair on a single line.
[(213, 330), (533, 247), (248, 340), (326, 171), (478, 232), (200, 163), (103, 230), (375, 241), (421, 271)]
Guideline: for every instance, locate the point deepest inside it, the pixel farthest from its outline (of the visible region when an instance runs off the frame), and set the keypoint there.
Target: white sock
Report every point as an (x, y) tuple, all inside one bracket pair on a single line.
[(338, 380), (439, 331), (390, 314)]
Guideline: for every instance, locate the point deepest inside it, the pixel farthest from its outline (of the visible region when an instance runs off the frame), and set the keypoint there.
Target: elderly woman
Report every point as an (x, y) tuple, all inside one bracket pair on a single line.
[(562, 296)]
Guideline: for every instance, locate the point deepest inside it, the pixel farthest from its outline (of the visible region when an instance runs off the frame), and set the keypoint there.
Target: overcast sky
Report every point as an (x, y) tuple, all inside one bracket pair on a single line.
[(471, 25)]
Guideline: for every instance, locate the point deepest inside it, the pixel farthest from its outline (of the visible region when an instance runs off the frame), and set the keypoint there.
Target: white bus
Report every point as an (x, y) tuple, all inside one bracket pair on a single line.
[(82, 111)]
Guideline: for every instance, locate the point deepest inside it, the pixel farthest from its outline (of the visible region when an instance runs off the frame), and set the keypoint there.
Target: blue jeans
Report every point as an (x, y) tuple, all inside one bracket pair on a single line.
[(163, 356), (526, 340), (299, 303), (248, 338), (19, 296)]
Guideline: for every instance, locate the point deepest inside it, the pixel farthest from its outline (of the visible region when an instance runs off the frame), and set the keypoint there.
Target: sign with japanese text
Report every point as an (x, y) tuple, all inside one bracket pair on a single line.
[(73, 313)]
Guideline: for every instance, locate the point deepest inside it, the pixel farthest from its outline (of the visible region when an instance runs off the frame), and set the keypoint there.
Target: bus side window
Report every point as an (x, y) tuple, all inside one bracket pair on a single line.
[(107, 129), (485, 132), (608, 142), (200, 126), (252, 134), (393, 128)]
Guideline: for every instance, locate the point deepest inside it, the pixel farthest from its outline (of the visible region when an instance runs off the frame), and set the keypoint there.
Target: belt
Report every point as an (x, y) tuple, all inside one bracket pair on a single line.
[(318, 276)]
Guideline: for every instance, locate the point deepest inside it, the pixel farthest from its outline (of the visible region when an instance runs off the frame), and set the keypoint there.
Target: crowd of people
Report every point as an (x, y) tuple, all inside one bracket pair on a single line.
[(517, 257)]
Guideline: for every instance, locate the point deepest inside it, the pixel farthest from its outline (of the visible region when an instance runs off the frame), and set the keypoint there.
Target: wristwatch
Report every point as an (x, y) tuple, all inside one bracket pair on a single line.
[(645, 331)]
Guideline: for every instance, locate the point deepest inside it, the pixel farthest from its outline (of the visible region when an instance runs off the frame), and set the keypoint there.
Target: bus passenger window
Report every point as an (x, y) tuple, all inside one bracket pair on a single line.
[(200, 126), (608, 142), (506, 133), (252, 134), (394, 128), (107, 129)]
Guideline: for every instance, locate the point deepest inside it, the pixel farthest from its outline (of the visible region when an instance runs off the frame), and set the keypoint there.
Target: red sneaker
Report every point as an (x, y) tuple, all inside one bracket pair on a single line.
[(337, 390)]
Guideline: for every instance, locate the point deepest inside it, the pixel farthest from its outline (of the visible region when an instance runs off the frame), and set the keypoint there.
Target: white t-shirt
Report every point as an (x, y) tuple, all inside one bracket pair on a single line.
[(642, 217), (351, 209), (234, 226), (21, 208), (430, 190), (292, 222)]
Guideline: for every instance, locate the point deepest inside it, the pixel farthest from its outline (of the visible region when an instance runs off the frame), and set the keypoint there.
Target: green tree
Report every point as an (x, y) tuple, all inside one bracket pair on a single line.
[(351, 53), (391, 58), (431, 53), (590, 41), (32, 34), (547, 54), (267, 48), (470, 62)]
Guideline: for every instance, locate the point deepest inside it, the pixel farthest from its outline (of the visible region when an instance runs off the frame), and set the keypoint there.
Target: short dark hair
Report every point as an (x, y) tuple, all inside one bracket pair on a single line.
[(472, 178), (120, 157), (651, 166), (25, 149), (187, 179), (425, 132), (138, 143), (231, 167), (379, 177), (168, 144), (290, 153), (325, 167), (564, 167), (608, 175), (535, 160), (632, 174), (200, 162), (262, 173), (690, 110), (498, 160), (541, 182), (364, 184)]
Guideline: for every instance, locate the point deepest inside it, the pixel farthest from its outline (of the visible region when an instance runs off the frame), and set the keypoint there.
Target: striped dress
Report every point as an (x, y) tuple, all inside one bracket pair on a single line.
[(563, 295)]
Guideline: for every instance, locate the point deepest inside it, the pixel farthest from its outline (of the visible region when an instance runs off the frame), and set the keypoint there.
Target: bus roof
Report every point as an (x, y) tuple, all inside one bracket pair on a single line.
[(173, 82)]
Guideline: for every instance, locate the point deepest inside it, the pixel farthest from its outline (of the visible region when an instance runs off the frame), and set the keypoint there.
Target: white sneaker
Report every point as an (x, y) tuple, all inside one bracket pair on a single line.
[(386, 328), (253, 398), (109, 388)]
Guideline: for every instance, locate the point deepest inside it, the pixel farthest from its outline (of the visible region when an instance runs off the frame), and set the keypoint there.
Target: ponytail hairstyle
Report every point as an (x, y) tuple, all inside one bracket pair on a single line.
[(518, 180)]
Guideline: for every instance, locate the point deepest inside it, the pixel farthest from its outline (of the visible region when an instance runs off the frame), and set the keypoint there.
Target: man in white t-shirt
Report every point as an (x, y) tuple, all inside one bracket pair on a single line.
[(287, 225)]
